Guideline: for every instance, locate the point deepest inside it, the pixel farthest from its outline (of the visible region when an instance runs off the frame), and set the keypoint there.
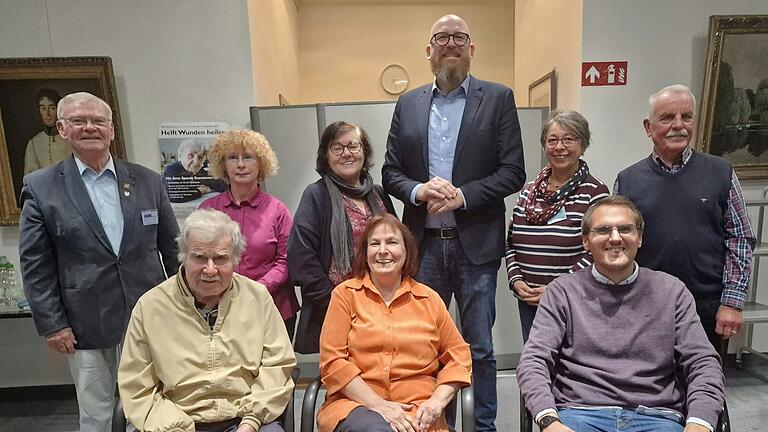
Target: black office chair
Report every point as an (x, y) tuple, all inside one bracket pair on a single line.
[(723, 423), (286, 419), (466, 396)]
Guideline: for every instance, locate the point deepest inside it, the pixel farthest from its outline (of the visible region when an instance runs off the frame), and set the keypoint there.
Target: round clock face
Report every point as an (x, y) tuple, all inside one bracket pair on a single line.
[(394, 79)]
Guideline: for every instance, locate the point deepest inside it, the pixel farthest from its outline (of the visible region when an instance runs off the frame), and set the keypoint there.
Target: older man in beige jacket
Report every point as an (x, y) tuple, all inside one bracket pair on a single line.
[(206, 350)]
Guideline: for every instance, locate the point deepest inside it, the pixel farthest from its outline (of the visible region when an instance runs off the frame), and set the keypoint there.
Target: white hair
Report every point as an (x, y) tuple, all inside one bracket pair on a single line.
[(80, 98), (674, 88), (188, 146), (209, 225)]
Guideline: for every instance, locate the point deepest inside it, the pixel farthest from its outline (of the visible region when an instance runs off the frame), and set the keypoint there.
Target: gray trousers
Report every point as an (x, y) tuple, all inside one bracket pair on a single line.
[(95, 374)]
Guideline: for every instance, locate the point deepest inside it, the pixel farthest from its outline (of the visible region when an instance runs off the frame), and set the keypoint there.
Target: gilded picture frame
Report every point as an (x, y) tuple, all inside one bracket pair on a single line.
[(734, 105), (27, 86)]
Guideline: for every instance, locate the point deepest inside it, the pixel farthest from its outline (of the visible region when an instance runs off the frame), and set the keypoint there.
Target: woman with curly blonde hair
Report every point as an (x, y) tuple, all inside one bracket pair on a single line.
[(243, 159)]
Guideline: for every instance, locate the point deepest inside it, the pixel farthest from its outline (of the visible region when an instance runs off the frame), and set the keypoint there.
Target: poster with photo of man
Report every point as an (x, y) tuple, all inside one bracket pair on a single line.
[(184, 163)]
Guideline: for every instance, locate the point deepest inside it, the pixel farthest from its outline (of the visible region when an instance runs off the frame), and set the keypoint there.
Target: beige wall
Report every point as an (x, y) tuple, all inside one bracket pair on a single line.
[(548, 36), (274, 50), (344, 46)]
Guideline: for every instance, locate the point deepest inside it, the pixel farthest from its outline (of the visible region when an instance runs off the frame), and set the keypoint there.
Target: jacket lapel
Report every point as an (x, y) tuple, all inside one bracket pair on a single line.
[(474, 98), (126, 188), (75, 188), (424, 102)]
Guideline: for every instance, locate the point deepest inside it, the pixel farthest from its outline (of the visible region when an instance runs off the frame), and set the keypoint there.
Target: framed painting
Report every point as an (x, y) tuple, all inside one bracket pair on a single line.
[(734, 107), (543, 92), (30, 88)]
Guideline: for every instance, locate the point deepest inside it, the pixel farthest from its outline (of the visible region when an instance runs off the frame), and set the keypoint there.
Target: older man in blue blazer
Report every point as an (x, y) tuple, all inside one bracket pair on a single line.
[(96, 233), (454, 153)]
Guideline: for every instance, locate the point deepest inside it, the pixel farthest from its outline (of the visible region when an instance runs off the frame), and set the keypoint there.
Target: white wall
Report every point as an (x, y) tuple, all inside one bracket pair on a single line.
[(665, 42), (180, 60)]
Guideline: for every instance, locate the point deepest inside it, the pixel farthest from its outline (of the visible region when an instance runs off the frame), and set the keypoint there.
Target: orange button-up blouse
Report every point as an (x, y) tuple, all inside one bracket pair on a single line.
[(402, 351)]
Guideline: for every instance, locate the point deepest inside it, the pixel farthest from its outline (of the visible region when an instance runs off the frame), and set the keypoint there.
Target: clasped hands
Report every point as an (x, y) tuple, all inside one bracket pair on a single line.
[(396, 414), (440, 195)]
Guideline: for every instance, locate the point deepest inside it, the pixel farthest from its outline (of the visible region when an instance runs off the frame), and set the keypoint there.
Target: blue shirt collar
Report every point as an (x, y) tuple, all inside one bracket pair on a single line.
[(82, 167), (464, 85)]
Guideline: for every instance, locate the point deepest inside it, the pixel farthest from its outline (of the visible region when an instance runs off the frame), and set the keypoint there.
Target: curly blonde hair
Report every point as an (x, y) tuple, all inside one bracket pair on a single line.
[(237, 140)]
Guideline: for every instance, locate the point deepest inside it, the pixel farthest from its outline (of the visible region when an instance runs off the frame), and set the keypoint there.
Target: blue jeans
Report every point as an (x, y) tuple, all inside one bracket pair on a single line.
[(619, 420), (444, 268)]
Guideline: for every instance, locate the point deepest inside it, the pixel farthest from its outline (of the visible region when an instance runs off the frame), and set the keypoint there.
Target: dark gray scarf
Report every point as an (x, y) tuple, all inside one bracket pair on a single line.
[(341, 229)]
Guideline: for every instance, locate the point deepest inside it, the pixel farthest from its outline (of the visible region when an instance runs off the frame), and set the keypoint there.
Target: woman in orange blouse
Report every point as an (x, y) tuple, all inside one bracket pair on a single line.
[(390, 355)]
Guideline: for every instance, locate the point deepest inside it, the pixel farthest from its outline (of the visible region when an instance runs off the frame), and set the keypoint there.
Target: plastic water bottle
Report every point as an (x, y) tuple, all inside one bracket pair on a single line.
[(5, 280)]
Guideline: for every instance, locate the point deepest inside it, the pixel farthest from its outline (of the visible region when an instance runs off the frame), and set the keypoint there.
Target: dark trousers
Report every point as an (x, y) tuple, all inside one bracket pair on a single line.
[(706, 307), (361, 419), (290, 326)]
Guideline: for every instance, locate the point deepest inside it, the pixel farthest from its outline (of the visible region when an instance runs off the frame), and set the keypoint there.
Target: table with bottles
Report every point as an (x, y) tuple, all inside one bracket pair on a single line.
[(11, 294)]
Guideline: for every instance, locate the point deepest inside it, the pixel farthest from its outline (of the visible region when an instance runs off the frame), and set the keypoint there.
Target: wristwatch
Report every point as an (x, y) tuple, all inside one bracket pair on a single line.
[(547, 420)]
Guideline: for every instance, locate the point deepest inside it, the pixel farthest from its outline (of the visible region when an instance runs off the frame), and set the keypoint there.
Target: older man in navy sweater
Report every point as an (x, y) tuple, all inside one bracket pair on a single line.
[(617, 346)]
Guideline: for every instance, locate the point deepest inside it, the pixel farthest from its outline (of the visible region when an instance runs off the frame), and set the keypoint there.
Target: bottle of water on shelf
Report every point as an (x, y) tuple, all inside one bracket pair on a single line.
[(5, 281)]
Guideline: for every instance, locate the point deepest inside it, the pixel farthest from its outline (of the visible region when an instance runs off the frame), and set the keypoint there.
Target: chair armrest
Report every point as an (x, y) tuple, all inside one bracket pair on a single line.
[(526, 419), (287, 417), (308, 405), (467, 395)]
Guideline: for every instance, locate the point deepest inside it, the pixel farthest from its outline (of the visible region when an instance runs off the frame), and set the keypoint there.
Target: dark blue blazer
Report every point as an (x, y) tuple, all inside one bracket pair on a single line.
[(71, 276), (488, 164)]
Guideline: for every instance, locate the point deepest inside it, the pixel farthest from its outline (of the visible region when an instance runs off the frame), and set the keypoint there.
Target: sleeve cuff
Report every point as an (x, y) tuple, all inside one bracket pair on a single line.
[(414, 191), (463, 199), (544, 412), (339, 378), (699, 421)]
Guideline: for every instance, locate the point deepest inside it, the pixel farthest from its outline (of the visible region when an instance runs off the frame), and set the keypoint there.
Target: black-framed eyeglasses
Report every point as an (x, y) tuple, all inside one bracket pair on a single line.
[(442, 38), (605, 230), (337, 149)]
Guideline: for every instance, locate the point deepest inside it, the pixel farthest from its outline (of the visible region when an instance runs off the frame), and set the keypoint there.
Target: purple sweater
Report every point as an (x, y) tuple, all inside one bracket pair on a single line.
[(594, 344)]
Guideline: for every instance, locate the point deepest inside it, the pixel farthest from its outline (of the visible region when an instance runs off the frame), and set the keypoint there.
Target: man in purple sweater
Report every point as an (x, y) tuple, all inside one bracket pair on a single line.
[(619, 347)]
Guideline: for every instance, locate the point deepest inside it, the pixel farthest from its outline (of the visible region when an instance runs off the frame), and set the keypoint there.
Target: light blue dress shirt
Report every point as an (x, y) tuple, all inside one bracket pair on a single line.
[(445, 116), (103, 191)]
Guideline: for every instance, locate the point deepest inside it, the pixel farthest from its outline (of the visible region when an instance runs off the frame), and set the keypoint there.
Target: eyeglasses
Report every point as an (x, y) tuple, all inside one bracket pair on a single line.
[(337, 149), (567, 141), (246, 158), (82, 121), (442, 38), (605, 230)]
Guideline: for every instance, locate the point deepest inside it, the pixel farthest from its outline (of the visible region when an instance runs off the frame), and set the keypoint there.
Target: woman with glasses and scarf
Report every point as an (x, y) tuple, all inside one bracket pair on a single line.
[(544, 237), (330, 219)]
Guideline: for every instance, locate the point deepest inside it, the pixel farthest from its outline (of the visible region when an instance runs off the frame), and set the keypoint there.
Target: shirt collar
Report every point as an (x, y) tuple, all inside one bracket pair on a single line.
[(252, 201), (82, 167), (686, 156), (407, 285), (602, 279), (464, 85)]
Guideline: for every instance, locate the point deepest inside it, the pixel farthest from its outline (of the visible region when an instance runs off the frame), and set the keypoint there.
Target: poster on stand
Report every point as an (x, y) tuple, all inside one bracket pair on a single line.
[(184, 163)]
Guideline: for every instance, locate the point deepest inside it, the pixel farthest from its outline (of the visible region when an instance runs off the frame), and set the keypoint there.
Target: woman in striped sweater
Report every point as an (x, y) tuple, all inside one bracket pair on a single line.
[(544, 239)]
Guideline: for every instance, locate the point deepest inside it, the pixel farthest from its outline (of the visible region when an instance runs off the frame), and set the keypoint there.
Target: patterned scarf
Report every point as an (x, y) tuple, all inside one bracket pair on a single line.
[(342, 242), (553, 200)]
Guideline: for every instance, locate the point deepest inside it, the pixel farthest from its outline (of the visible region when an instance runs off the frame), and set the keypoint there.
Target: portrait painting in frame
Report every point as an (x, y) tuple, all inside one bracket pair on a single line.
[(30, 88), (734, 107)]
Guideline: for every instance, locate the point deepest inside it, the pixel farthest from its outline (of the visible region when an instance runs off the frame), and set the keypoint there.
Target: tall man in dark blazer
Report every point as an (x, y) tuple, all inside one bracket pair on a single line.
[(93, 230), (454, 153)]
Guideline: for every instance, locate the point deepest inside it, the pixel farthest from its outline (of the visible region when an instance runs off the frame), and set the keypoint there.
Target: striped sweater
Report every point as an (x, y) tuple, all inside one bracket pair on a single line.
[(540, 253)]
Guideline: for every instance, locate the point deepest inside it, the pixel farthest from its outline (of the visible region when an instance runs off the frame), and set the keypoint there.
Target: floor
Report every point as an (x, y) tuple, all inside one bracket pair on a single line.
[(747, 396)]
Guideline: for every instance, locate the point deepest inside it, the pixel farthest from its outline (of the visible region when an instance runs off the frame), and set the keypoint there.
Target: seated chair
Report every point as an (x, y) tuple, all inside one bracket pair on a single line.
[(723, 423), (286, 419), (466, 395)]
